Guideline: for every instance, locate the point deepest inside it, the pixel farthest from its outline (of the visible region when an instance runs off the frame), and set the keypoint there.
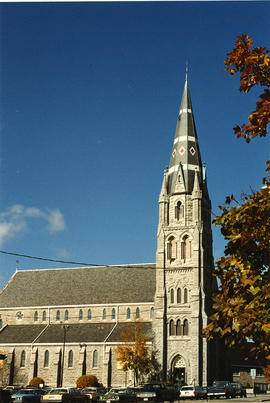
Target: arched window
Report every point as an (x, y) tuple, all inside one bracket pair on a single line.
[(185, 327), (171, 249), (57, 315), (152, 311), (179, 211), (178, 296), (66, 314), (70, 359), (137, 312), (22, 362), (89, 314), (171, 328), (46, 359), (36, 316), (95, 359), (1, 323), (186, 248), (113, 313), (178, 327), (128, 313), (104, 314), (80, 314), (44, 316), (185, 295), (172, 295)]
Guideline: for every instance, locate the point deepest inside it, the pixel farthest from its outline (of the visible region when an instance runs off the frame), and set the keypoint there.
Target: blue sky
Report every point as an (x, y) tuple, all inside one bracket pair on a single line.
[(89, 99)]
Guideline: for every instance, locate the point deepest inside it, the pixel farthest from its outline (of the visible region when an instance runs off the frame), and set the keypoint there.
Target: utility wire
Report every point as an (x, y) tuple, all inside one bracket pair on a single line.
[(75, 263), (48, 259), (128, 265)]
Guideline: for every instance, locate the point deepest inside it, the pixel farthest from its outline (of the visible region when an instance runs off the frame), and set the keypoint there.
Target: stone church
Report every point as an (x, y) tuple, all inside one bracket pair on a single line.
[(61, 323)]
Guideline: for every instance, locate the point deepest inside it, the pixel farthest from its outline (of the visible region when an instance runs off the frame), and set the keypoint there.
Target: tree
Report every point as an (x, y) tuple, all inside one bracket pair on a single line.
[(133, 352), (87, 380), (36, 382), (241, 308), (254, 66)]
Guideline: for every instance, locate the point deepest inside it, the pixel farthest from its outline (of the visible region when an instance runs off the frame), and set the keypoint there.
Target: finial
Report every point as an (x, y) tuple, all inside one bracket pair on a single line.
[(186, 70), (17, 265)]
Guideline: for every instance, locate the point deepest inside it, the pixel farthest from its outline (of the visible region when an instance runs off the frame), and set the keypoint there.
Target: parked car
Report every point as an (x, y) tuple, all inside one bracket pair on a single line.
[(29, 395), (119, 395), (158, 392), (193, 392), (220, 389), (5, 395), (92, 393), (239, 389), (58, 395)]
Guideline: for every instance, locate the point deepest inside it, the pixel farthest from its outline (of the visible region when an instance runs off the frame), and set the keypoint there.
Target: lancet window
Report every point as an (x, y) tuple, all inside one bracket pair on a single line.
[(171, 249), (186, 248), (185, 327), (179, 211), (46, 359)]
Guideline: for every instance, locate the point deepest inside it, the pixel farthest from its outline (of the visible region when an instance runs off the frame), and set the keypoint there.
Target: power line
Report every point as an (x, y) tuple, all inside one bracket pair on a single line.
[(75, 263), (48, 259), (135, 265)]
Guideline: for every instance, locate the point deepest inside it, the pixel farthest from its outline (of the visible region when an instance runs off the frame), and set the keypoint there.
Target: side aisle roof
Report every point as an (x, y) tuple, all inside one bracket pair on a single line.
[(76, 333)]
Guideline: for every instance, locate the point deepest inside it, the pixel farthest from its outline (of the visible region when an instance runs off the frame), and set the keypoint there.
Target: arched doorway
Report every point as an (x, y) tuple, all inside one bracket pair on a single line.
[(179, 373)]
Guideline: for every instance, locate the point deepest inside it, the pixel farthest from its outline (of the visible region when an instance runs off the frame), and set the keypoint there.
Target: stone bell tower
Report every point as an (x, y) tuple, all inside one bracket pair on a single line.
[(184, 261)]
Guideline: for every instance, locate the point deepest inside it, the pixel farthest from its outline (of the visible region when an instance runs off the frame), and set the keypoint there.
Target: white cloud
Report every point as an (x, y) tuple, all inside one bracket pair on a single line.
[(16, 219), (10, 229), (56, 221), (63, 254), (34, 212)]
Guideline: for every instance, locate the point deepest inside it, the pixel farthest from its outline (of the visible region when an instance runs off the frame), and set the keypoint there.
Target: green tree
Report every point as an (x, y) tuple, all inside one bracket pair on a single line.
[(241, 308), (133, 352)]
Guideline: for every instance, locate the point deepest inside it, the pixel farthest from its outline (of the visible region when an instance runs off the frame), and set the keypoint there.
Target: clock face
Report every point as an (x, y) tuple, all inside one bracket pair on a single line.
[(19, 315)]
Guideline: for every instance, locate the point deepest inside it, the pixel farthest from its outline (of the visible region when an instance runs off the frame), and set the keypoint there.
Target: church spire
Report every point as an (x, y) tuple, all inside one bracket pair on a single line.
[(186, 153)]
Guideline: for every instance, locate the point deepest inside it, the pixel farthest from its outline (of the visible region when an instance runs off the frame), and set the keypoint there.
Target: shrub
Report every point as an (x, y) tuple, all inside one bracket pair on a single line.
[(87, 380), (35, 382)]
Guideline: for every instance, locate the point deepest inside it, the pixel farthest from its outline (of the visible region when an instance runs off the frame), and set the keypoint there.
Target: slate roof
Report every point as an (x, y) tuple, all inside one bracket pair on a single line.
[(80, 286), (75, 333), (20, 333), (186, 152)]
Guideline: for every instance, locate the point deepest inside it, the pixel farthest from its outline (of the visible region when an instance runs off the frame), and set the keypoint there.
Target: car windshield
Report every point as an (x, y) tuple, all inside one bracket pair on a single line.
[(151, 387), (53, 391), (187, 388), (26, 391), (220, 383)]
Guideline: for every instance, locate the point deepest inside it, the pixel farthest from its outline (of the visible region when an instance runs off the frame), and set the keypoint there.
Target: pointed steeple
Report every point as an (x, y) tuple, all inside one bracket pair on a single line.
[(163, 193), (196, 193), (186, 152)]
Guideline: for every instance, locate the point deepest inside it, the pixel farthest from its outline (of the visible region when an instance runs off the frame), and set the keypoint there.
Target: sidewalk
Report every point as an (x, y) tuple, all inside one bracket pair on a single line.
[(258, 398)]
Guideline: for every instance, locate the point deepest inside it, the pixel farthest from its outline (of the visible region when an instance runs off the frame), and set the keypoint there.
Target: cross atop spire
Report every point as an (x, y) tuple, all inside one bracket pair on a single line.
[(185, 158)]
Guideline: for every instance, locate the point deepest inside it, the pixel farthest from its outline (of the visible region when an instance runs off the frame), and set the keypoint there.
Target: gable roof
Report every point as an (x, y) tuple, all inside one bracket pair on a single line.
[(75, 333), (80, 286)]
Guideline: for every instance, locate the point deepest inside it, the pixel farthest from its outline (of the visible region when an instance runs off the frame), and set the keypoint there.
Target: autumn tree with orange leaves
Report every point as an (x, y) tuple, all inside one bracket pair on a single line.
[(241, 308), (133, 352)]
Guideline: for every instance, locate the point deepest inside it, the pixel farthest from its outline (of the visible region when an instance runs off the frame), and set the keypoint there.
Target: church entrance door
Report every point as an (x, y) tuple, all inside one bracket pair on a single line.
[(179, 370)]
